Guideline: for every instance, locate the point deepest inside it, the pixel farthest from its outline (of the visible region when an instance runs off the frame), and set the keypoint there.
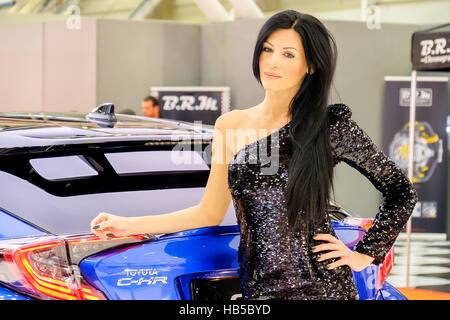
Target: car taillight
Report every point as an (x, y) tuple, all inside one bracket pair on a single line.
[(359, 222), (47, 267), (385, 267)]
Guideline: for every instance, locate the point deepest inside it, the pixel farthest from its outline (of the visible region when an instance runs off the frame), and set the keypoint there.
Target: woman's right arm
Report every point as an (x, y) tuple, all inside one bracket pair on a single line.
[(210, 211)]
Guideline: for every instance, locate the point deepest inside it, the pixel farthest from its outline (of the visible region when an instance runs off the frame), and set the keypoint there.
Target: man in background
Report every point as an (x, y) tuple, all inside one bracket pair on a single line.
[(150, 107)]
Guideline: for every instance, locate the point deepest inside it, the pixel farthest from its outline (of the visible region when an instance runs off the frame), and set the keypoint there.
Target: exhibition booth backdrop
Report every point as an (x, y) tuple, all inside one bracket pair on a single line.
[(49, 67)]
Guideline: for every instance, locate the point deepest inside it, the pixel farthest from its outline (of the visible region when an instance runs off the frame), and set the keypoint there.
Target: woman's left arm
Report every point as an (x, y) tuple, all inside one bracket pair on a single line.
[(353, 146)]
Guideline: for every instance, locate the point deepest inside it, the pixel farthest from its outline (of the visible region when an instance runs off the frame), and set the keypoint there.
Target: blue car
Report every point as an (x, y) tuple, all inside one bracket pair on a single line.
[(58, 171)]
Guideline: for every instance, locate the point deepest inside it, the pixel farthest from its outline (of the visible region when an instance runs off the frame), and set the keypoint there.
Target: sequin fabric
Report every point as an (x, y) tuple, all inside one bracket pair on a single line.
[(276, 263)]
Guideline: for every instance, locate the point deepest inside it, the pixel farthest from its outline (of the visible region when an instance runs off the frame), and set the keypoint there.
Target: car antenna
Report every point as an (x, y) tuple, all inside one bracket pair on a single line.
[(103, 115)]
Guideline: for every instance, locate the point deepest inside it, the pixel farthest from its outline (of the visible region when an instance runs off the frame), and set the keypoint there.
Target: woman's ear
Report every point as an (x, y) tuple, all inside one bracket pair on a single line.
[(311, 70)]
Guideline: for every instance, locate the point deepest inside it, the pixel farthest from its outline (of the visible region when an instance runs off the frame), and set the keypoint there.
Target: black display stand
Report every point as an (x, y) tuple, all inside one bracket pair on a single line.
[(430, 51)]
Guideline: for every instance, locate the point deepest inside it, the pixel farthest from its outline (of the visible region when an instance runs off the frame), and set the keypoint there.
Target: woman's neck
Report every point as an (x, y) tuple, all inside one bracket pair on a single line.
[(275, 106)]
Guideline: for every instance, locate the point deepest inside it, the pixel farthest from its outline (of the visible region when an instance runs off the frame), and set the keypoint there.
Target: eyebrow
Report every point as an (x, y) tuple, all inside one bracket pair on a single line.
[(284, 47)]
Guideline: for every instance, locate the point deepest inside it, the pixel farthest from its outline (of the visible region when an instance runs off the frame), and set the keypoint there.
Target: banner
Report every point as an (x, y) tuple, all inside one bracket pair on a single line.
[(431, 50), (191, 104), (430, 144)]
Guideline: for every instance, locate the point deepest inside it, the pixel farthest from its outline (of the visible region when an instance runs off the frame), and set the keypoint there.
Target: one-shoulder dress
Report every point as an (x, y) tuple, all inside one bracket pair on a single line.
[(275, 263)]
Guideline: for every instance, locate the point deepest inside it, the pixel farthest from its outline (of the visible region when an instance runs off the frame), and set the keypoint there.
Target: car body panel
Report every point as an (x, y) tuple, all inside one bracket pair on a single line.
[(14, 227), (8, 294), (163, 269), (130, 274), (160, 269), (389, 292)]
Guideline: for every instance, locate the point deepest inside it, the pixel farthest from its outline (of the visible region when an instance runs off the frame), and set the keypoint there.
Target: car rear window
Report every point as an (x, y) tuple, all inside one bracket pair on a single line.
[(66, 167), (155, 161), (157, 185)]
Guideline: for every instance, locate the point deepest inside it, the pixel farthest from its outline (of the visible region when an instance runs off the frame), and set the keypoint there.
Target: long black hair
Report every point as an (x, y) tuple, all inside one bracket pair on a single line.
[(310, 170)]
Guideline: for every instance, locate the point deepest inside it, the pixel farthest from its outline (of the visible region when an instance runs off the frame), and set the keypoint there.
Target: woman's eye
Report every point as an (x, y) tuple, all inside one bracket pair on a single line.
[(290, 56)]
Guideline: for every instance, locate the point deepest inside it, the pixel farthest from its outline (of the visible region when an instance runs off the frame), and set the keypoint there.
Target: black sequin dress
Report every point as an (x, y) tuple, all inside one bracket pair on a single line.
[(278, 264)]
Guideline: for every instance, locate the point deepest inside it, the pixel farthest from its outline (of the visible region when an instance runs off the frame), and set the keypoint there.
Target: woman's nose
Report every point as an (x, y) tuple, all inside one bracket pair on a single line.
[(273, 61)]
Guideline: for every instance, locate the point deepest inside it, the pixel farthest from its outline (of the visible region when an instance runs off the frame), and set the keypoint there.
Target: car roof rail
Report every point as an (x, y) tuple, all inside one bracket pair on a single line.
[(197, 127)]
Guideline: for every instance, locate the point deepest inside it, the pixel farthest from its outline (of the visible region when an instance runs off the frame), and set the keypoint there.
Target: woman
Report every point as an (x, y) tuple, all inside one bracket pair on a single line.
[(288, 249)]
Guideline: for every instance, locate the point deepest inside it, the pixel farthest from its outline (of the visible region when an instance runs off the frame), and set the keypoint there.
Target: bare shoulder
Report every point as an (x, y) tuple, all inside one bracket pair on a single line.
[(226, 126), (230, 120)]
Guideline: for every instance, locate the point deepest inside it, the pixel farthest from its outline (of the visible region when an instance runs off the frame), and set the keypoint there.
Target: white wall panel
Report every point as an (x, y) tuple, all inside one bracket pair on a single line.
[(21, 72)]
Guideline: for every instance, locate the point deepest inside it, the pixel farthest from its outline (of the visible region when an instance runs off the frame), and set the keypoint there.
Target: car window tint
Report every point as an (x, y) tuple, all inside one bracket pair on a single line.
[(65, 167), (156, 161), (62, 215)]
